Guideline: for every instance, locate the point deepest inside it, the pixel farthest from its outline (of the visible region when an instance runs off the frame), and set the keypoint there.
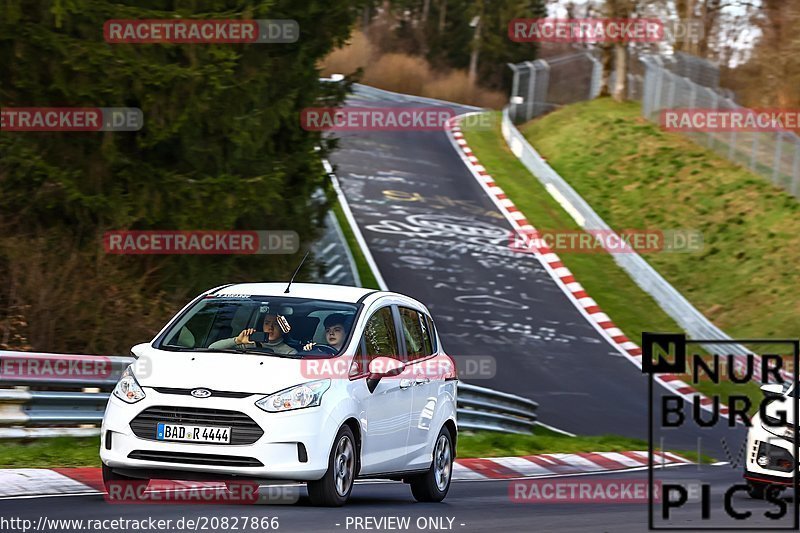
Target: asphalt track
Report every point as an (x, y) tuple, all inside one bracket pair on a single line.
[(472, 506), (436, 236)]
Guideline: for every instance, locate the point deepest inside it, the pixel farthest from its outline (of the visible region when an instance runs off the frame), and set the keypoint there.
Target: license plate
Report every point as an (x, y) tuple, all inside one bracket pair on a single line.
[(220, 435)]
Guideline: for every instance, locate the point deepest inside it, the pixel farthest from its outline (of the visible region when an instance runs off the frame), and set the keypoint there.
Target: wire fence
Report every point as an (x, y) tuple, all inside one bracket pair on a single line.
[(679, 81), (544, 85), (772, 154)]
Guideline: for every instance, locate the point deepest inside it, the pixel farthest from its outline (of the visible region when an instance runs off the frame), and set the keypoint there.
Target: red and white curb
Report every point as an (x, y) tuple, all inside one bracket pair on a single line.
[(31, 482), (562, 275)]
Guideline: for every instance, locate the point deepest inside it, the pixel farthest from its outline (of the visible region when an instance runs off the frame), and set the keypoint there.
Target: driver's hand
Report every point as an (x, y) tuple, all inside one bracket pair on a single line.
[(244, 336), (308, 346)]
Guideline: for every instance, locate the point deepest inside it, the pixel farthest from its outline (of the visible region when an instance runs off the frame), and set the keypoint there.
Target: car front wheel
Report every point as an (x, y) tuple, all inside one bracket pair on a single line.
[(333, 490), (758, 491), (433, 485)]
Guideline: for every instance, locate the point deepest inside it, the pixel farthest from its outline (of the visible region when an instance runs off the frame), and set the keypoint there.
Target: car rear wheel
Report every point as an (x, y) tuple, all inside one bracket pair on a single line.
[(124, 487), (433, 485), (334, 489)]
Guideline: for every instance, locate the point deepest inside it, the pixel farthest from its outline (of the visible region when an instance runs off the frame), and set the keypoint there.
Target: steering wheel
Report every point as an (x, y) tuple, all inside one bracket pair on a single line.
[(263, 348), (324, 348)]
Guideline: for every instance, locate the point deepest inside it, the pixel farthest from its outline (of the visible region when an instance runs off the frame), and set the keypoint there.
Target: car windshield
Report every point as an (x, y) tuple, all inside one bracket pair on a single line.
[(269, 325)]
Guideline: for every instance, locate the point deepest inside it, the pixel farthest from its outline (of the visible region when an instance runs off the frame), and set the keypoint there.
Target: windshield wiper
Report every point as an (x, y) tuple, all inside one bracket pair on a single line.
[(258, 351)]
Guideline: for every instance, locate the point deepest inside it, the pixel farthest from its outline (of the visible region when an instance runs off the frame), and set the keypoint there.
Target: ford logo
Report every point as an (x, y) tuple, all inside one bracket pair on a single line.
[(200, 393)]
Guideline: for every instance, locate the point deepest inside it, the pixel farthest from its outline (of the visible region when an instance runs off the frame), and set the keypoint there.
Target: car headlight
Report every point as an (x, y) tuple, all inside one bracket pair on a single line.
[(128, 389), (782, 431), (305, 395)]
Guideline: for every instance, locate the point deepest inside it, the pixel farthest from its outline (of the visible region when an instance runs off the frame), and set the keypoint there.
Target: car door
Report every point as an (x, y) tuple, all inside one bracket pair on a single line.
[(423, 372), (388, 407)]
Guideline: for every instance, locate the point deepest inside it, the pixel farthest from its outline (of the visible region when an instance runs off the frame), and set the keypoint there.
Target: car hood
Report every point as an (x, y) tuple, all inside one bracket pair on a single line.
[(218, 371)]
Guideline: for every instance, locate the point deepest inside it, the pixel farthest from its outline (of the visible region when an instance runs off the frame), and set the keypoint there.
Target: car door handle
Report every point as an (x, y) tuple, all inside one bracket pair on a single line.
[(406, 383), (422, 381)]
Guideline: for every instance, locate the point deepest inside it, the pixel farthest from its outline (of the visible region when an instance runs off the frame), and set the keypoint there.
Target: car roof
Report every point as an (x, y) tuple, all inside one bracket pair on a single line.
[(317, 291)]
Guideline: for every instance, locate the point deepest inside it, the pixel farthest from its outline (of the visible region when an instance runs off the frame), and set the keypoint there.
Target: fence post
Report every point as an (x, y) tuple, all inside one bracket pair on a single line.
[(776, 165), (714, 105), (529, 109), (732, 140), (796, 168), (647, 83), (544, 85), (597, 77), (659, 84), (514, 90), (755, 152), (671, 93)]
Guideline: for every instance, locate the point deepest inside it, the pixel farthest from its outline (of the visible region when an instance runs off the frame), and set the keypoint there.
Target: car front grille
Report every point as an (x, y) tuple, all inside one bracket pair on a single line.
[(244, 430), (194, 458), (214, 393)]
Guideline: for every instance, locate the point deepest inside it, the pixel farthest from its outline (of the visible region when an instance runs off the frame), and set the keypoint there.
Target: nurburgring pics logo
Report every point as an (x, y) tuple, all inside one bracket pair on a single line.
[(73, 119), (672, 354), (186, 31), (728, 120), (200, 242)]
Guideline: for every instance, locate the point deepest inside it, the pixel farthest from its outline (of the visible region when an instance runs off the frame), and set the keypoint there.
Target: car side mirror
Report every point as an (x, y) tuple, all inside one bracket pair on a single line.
[(772, 390), (139, 350), (381, 367)]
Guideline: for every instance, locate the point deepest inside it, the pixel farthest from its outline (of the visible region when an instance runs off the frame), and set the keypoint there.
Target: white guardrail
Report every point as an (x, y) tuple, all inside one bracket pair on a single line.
[(46, 395), (668, 298)]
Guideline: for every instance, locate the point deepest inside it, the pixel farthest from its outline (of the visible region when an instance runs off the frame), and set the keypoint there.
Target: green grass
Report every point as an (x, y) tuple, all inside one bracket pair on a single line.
[(84, 451), (493, 444), (50, 452), (364, 271), (637, 176), (630, 308)]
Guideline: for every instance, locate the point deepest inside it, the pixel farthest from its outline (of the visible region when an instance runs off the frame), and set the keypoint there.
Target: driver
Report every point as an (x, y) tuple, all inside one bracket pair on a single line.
[(274, 342), (336, 327)]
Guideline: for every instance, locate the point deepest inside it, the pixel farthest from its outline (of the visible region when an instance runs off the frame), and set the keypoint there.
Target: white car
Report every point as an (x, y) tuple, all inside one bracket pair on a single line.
[(770, 459), (322, 384)]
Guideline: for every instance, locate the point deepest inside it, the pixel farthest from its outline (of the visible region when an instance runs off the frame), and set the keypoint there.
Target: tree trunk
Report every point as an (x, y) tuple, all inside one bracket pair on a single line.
[(442, 16)]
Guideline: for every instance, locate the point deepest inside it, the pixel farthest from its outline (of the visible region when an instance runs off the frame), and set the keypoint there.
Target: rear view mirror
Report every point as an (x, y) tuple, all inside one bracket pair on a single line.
[(381, 367), (385, 366), (772, 390)]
